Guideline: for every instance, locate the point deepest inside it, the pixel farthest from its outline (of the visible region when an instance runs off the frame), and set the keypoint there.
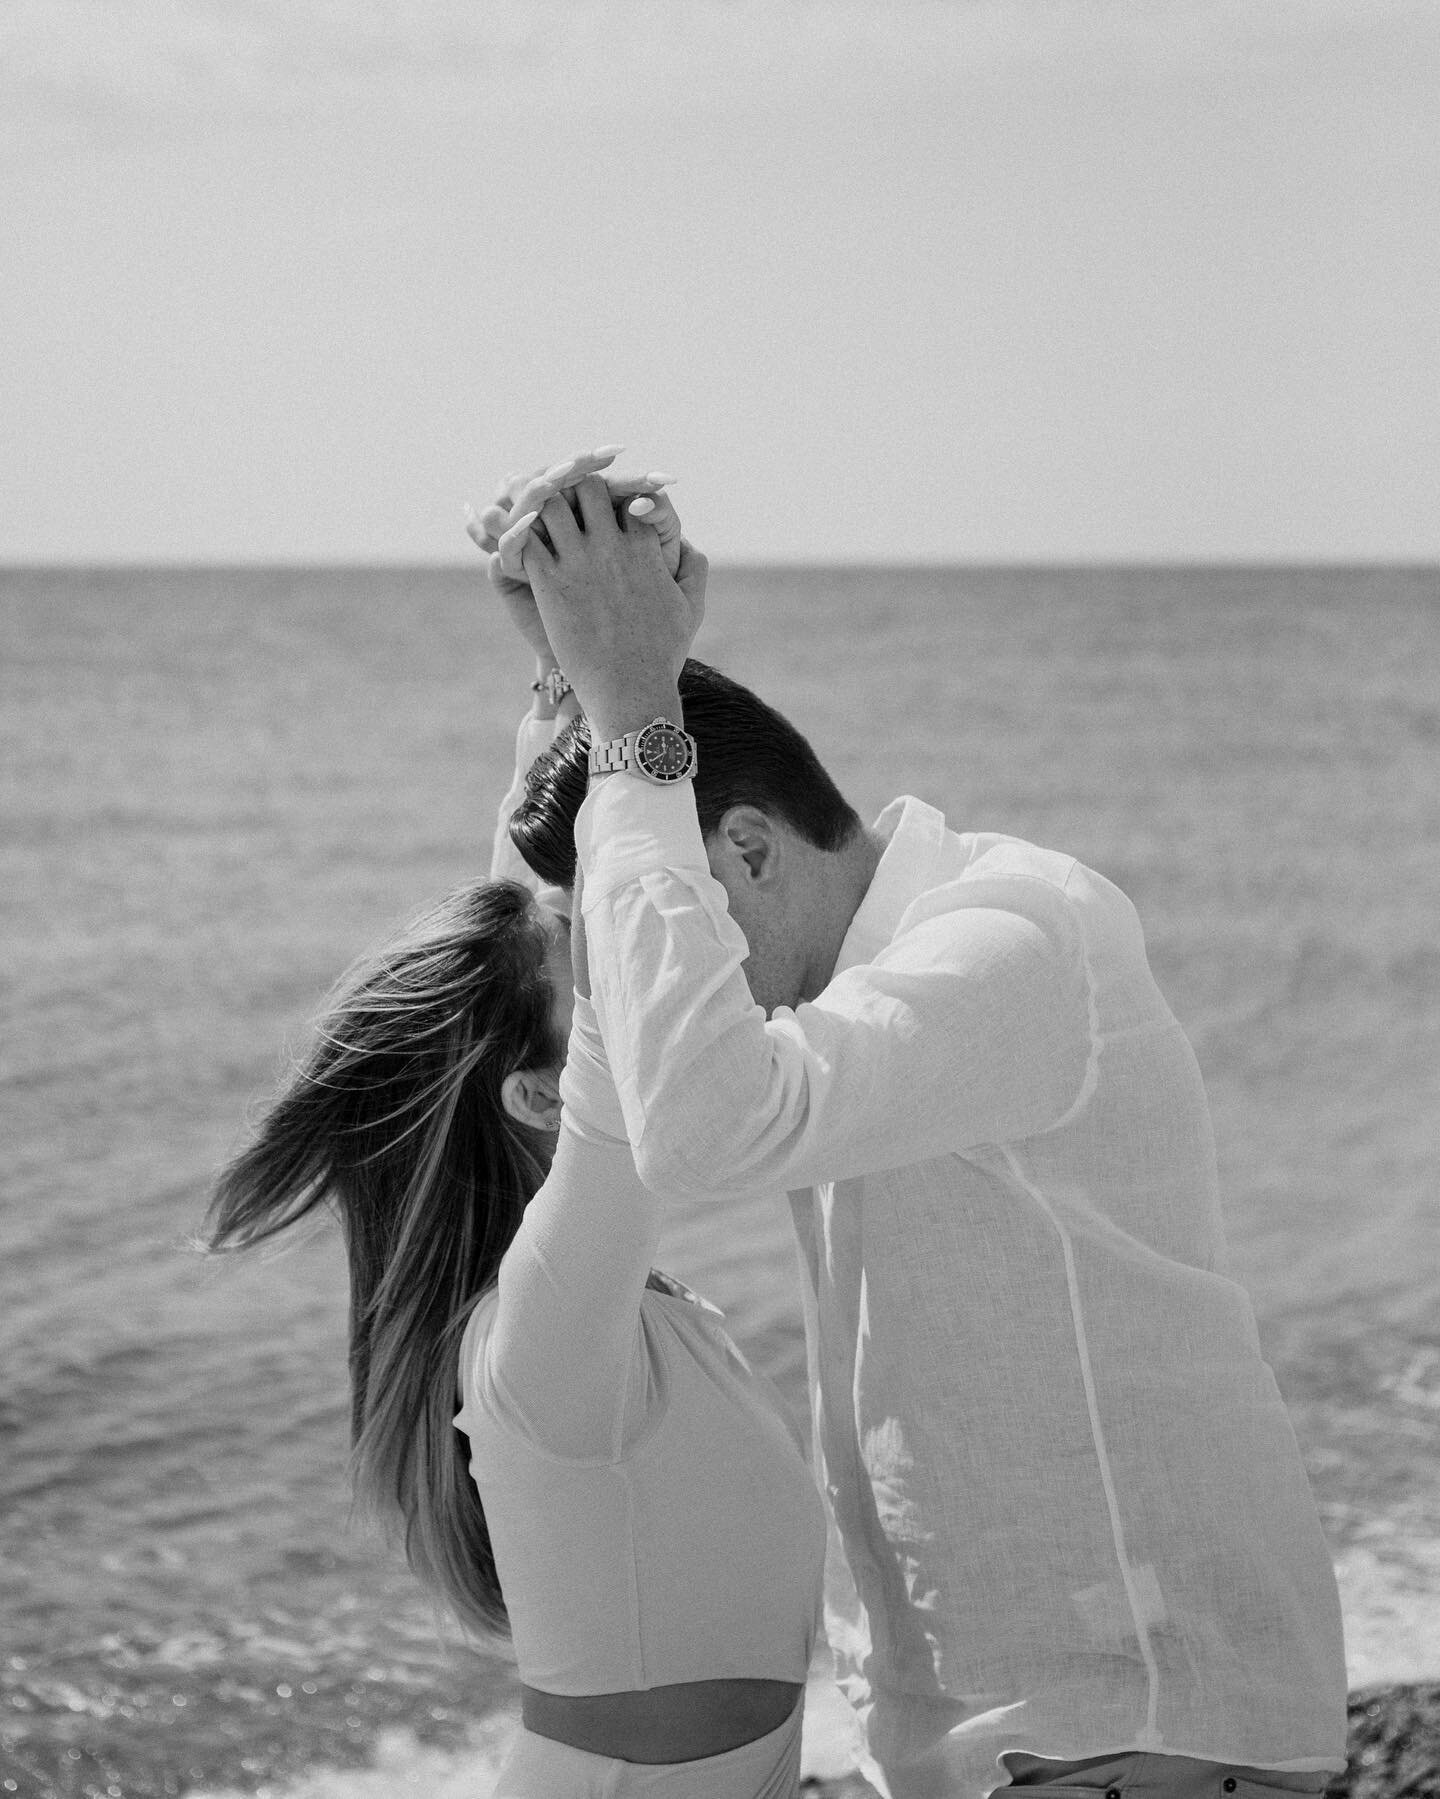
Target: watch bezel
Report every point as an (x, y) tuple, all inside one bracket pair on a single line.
[(667, 728)]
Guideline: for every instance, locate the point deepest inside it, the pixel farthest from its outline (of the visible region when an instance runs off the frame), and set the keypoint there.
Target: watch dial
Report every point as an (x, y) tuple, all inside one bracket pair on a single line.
[(664, 752)]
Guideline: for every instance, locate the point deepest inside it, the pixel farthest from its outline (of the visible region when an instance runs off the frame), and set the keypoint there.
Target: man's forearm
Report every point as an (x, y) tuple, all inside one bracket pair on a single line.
[(619, 622), (630, 708), (972, 1028)]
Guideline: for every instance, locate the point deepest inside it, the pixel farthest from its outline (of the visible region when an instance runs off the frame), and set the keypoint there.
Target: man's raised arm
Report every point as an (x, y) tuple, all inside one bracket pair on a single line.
[(971, 1027)]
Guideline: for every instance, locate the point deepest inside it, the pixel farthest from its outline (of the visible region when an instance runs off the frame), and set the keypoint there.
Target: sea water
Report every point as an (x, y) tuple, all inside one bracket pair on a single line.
[(218, 787)]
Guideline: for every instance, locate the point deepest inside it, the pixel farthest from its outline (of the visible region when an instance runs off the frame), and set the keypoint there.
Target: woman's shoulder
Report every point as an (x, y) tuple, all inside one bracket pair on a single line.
[(472, 1343)]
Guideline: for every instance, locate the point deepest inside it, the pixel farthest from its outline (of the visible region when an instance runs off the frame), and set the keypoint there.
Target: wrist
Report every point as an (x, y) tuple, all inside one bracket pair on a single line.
[(661, 751), (551, 689), (616, 715)]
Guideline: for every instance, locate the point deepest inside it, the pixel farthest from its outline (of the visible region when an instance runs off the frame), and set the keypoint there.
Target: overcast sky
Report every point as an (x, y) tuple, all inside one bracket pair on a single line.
[(1005, 280)]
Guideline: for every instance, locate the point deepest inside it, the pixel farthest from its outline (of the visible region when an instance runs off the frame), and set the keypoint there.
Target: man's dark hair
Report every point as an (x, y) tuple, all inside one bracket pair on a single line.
[(748, 755)]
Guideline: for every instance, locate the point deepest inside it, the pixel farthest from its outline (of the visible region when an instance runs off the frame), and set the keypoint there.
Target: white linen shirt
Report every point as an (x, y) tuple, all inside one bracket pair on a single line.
[(1072, 1506)]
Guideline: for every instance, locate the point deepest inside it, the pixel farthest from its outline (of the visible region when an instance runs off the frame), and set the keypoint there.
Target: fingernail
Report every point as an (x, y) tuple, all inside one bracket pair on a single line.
[(638, 508), (560, 470), (523, 523), (656, 479), (609, 451)]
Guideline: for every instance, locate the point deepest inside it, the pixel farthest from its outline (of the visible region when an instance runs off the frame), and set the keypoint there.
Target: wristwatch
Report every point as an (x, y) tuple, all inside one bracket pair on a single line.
[(661, 752)]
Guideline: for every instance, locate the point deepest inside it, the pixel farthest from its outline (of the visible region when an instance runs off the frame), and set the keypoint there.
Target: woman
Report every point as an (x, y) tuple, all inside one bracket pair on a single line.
[(617, 1488)]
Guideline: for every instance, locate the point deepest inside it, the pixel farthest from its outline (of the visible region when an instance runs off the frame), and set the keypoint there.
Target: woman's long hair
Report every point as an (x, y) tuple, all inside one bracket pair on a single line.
[(394, 1120)]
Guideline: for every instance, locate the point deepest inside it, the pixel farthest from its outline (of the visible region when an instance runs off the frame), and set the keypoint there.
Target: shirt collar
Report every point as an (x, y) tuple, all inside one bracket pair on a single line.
[(914, 834)]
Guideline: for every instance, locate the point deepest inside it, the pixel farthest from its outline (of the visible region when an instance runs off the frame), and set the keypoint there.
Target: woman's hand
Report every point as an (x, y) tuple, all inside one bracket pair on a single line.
[(648, 503)]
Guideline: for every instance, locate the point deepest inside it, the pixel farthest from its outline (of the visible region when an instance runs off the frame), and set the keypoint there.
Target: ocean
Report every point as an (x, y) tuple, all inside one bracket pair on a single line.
[(219, 786)]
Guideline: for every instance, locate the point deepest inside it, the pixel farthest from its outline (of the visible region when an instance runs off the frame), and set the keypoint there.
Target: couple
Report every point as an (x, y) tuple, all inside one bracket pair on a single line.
[(1075, 1550)]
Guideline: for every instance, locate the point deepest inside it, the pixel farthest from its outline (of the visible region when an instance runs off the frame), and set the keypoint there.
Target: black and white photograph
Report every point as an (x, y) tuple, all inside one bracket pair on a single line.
[(719, 899)]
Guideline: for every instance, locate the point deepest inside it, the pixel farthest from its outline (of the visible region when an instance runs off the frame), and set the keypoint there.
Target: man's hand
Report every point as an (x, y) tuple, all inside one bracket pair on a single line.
[(520, 497), (619, 623), (486, 531), (645, 493)]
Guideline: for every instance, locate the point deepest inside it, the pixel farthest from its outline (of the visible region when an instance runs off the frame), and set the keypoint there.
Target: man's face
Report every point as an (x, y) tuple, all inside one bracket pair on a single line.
[(775, 967)]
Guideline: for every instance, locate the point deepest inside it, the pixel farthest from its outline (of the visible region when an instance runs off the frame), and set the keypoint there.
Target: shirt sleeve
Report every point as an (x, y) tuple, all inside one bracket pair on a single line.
[(974, 1026), (559, 1360), (533, 738)]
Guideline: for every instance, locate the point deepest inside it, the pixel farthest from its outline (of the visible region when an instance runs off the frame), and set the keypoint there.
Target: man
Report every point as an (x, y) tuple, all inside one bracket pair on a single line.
[(1083, 1550)]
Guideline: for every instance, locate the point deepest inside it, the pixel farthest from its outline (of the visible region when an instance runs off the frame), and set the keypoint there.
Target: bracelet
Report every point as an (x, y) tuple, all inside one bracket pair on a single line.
[(554, 686)]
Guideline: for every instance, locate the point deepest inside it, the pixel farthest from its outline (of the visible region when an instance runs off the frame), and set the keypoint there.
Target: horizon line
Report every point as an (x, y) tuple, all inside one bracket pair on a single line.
[(1018, 565)]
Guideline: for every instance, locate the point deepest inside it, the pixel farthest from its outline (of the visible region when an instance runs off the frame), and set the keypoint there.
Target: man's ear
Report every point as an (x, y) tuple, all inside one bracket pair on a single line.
[(747, 836), (532, 1096)]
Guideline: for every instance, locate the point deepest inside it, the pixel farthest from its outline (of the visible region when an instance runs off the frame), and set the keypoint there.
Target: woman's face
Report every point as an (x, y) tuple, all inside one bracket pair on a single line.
[(558, 971), (531, 1095)]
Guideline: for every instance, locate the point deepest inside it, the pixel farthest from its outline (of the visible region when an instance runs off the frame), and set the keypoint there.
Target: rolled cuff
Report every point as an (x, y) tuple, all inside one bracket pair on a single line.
[(629, 826)]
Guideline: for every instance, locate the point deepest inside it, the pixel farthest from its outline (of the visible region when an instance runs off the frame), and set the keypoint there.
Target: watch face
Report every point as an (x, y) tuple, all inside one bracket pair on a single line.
[(664, 752)]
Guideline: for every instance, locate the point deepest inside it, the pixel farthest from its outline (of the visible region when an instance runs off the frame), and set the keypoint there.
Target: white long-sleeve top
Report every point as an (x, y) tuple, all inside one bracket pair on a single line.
[(1072, 1506), (652, 1517), (533, 736)]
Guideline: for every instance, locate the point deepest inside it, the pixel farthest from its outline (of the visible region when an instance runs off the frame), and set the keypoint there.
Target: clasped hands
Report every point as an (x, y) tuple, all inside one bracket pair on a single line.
[(595, 572)]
